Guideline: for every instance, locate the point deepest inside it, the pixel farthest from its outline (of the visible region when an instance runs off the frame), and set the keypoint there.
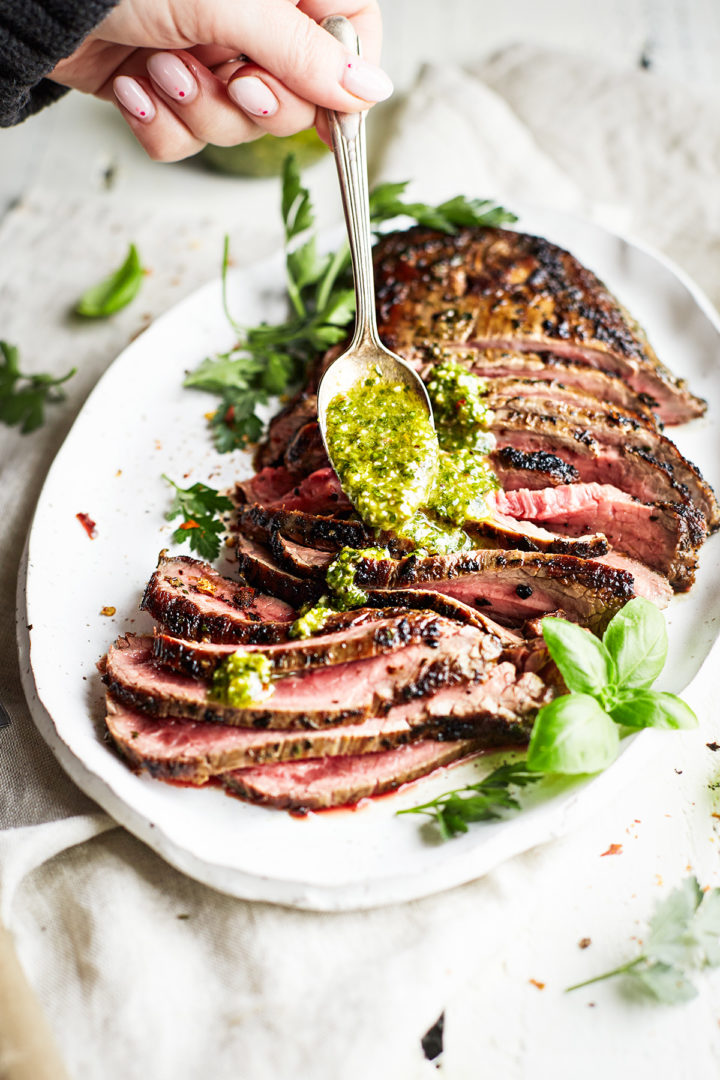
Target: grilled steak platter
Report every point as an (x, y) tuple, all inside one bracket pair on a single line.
[(443, 659)]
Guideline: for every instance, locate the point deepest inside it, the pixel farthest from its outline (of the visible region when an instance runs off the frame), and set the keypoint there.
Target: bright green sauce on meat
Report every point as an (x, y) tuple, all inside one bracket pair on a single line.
[(345, 594), (461, 416), (242, 679), (403, 476), (384, 449)]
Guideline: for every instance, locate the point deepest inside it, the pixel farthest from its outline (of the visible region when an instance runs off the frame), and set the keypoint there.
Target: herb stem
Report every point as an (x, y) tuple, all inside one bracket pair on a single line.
[(608, 974), (337, 265)]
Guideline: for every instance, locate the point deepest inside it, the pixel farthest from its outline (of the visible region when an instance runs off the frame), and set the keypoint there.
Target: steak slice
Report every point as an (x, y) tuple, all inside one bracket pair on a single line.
[(512, 586), (663, 536), (503, 532), (615, 431), (191, 599), (647, 583), (301, 561), (600, 385), (311, 530), (375, 634), (266, 486), (342, 781), (497, 289), (328, 695), (282, 427), (258, 568), (508, 388), (633, 471), (192, 751), (536, 469), (306, 450), (319, 493)]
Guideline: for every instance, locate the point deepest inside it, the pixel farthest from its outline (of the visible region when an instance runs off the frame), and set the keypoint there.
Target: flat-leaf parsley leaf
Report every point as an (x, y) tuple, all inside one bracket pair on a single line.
[(23, 397), (198, 506)]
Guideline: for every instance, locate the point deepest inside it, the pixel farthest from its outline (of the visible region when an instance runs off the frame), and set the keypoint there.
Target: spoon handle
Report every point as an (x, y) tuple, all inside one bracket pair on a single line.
[(348, 138)]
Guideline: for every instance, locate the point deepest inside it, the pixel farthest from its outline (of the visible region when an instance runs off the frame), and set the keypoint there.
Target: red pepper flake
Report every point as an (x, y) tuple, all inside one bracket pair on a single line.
[(109, 610), (614, 849), (540, 985), (88, 525), (190, 524), (713, 746)]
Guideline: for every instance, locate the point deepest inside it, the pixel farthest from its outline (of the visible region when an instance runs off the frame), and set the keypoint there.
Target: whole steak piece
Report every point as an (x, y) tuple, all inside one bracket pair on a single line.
[(498, 289)]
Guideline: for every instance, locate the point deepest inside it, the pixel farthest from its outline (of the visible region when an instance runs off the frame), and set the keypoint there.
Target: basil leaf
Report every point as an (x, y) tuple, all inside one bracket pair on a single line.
[(572, 735), (584, 662), (651, 708), (666, 983), (636, 639), (115, 292)]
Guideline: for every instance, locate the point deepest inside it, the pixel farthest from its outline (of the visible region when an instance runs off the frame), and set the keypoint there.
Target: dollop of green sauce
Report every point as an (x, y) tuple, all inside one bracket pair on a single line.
[(384, 448), (345, 594), (461, 416), (242, 679)]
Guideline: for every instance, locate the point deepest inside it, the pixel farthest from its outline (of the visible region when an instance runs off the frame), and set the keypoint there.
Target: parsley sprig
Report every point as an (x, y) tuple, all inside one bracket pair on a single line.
[(269, 359), (23, 397), (683, 936), (198, 506), (483, 801)]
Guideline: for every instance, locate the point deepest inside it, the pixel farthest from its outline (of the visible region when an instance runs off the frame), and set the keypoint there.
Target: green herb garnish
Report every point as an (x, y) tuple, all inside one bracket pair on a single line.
[(609, 683), (114, 292), (23, 397), (268, 360), (683, 936), (484, 801), (201, 528)]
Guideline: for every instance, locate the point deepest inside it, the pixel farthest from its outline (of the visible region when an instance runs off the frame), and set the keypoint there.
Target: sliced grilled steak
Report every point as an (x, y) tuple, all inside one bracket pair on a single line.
[(298, 560), (512, 586), (497, 289), (318, 493), (342, 781), (266, 486), (311, 530), (193, 751), (536, 469), (298, 411), (504, 390), (191, 599), (599, 384), (501, 531), (258, 568), (306, 451), (633, 471), (367, 637), (647, 583), (663, 536), (322, 696), (622, 434)]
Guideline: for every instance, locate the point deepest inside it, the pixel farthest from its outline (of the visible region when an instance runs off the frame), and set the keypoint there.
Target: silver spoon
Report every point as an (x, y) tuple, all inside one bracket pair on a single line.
[(366, 354)]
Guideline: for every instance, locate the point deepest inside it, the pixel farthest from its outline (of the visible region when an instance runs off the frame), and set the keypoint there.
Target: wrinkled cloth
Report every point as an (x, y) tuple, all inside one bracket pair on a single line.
[(144, 972)]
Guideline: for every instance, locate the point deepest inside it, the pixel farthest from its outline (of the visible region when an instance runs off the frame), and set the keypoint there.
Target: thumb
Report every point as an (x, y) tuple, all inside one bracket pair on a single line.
[(295, 48)]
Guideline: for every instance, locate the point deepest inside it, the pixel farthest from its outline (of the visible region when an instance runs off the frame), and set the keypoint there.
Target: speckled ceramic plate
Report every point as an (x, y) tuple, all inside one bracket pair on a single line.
[(139, 423)]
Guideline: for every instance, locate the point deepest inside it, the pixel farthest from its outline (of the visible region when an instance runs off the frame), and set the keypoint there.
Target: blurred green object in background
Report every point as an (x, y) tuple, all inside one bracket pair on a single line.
[(265, 156)]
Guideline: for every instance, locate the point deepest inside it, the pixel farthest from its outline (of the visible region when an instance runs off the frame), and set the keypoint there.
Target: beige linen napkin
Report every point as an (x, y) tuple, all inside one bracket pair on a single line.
[(147, 974)]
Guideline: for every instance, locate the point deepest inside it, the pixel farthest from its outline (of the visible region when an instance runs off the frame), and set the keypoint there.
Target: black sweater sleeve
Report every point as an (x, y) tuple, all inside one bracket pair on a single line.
[(34, 36)]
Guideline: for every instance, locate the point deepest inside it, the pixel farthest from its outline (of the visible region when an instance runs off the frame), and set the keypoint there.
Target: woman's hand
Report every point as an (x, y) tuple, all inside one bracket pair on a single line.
[(189, 72)]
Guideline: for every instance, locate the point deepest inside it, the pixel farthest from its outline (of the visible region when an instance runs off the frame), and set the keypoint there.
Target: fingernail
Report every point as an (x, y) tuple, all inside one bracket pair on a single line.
[(252, 95), (171, 75), (132, 97), (365, 80)]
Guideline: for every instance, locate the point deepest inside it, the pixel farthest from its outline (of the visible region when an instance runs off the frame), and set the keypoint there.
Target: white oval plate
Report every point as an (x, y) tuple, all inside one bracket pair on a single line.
[(139, 423)]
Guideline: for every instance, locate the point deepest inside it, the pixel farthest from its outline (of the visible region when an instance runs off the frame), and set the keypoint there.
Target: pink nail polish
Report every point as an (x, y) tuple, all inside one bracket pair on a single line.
[(365, 80), (132, 97), (253, 96), (172, 76)]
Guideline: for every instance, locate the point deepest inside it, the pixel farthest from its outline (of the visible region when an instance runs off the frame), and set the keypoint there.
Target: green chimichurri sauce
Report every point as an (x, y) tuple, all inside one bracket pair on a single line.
[(243, 679), (461, 416), (340, 577), (384, 449)]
